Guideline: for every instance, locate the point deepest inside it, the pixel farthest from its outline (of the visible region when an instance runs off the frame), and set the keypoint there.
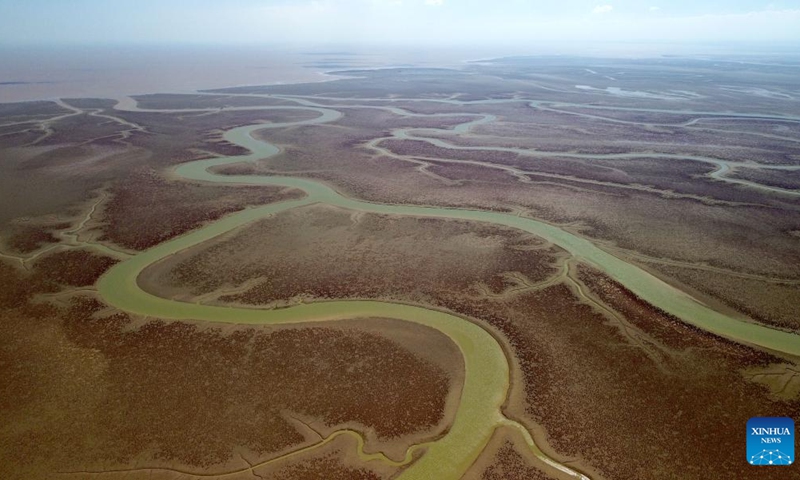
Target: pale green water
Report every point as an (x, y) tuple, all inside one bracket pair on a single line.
[(640, 282), (487, 370), (487, 373)]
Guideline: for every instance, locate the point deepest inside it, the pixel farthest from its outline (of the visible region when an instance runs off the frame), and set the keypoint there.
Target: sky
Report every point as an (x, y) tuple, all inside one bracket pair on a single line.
[(423, 23)]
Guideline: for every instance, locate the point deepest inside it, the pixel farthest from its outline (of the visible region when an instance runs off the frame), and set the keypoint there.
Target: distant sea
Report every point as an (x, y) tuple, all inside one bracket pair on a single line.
[(41, 73), (38, 73)]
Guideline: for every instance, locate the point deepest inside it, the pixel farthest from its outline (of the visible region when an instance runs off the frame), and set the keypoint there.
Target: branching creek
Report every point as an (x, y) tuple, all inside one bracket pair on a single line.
[(487, 370)]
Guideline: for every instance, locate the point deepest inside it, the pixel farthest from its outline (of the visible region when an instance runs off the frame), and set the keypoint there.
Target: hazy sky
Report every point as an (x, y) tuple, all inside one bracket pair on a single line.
[(421, 22)]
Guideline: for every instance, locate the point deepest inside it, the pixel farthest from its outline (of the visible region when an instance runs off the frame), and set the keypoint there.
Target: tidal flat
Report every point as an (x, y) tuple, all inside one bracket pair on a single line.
[(474, 272)]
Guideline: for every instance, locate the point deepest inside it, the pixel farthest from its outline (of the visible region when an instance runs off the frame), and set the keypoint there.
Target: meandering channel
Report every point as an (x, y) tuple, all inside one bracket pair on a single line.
[(487, 368)]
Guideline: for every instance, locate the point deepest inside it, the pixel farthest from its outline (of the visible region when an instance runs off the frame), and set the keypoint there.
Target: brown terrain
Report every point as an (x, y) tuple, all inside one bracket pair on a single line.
[(146, 209), (605, 383), (507, 456), (297, 256), (574, 334), (128, 393)]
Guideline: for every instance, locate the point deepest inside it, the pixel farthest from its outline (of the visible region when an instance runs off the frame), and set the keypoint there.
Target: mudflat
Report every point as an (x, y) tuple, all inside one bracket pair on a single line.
[(415, 272)]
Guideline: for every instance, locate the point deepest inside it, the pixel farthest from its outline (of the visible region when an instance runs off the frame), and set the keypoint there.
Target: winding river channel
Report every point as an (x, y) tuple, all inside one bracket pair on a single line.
[(486, 365)]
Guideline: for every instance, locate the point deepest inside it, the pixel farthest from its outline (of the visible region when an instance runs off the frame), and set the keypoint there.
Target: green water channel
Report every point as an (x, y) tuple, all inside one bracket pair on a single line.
[(486, 366)]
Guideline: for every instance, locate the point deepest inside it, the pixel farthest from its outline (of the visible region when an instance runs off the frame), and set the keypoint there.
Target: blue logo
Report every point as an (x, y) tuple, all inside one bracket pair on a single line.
[(770, 441)]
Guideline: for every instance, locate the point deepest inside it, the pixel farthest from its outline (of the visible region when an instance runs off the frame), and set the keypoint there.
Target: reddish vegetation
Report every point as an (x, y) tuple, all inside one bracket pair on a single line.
[(328, 467), (23, 111), (633, 394), (509, 464), (109, 392), (16, 288), (331, 462), (600, 396), (145, 209), (661, 325), (326, 252), (766, 300), (29, 238), (656, 379), (167, 101), (77, 268)]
